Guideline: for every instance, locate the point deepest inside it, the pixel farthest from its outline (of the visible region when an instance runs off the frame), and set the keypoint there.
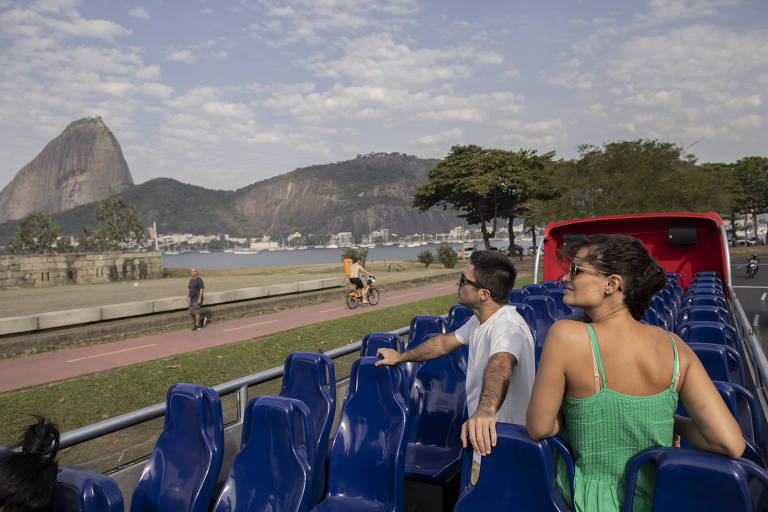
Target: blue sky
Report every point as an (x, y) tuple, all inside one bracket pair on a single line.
[(226, 93)]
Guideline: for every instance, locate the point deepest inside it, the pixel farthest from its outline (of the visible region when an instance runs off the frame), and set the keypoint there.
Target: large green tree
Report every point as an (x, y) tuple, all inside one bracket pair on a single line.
[(483, 185), (750, 176), (633, 177), (37, 233), (117, 226)]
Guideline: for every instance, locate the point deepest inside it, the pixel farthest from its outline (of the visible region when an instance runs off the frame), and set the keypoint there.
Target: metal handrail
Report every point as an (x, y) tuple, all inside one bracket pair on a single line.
[(241, 385)]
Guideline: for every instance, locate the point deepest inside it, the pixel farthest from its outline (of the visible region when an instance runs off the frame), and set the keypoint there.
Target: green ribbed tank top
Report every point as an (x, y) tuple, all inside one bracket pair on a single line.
[(607, 429)]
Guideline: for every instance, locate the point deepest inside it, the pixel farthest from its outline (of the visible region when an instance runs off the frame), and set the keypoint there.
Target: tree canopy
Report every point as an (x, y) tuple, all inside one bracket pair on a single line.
[(117, 226), (37, 233), (482, 184)]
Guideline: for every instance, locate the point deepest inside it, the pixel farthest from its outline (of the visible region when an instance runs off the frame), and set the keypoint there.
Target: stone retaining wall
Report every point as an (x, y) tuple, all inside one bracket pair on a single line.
[(31, 270)]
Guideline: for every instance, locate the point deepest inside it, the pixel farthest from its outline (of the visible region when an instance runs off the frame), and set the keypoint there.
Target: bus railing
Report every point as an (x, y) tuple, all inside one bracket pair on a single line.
[(240, 385)]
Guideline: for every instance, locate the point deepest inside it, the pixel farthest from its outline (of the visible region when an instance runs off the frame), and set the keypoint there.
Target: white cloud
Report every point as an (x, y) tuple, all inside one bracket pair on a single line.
[(185, 56), (139, 12), (446, 137)]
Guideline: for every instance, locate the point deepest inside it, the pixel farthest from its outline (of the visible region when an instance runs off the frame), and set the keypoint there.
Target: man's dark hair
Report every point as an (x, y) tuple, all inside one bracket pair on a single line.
[(29, 477), (495, 272)]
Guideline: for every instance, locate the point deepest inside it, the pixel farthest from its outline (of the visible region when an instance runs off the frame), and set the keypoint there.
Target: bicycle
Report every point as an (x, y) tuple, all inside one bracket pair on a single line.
[(354, 298)]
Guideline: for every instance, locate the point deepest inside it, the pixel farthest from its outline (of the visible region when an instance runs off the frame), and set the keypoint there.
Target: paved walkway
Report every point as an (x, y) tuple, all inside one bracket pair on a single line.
[(64, 364)]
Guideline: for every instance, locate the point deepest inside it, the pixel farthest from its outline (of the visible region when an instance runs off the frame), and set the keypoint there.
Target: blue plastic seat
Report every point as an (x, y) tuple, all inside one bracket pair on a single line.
[(423, 325), (518, 474), (367, 460), (564, 311), (458, 316), (516, 295), (436, 412), (651, 317), (720, 361), (663, 311), (705, 289), (707, 274), (311, 378), (551, 285), (529, 315), (706, 300), (273, 469), (744, 408), (373, 341), (535, 289), (185, 463), (709, 332), (700, 481), (670, 300), (545, 311), (84, 490), (704, 314)]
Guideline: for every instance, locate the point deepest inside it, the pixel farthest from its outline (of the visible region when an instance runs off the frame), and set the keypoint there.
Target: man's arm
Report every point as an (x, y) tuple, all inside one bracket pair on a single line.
[(200, 293), (431, 349), (480, 429)]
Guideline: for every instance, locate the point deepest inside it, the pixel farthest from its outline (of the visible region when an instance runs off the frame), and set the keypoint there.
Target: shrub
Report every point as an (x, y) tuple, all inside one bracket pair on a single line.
[(447, 256), (426, 258)]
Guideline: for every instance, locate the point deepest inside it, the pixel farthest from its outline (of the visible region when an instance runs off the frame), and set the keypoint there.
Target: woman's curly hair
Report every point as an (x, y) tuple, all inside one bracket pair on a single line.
[(624, 255)]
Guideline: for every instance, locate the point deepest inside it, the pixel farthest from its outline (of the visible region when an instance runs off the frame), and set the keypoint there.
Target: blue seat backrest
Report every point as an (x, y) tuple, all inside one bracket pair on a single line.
[(665, 313), (550, 285), (85, 490), (721, 362), (744, 408), (311, 378), (516, 295), (704, 314), (545, 312), (709, 332), (707, 289), (423, 325), (529, 315), (373, 341), (651, 317), (436, 412), (564, 311), (185, 463), (518, 474), (273, 469), (535, 289), (367, 459), (458, 316), (706, 300), (701, 481)]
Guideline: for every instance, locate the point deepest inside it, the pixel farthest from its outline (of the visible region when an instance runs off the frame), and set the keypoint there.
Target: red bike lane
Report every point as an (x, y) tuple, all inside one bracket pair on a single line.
[(64, 364)]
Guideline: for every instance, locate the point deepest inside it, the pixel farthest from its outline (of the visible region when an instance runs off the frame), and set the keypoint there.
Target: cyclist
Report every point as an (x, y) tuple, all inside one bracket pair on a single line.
[(354, 277)]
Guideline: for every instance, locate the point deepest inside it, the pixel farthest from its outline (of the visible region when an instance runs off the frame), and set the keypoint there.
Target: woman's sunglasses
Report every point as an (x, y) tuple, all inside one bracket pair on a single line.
[(576, 270), (463, 280)]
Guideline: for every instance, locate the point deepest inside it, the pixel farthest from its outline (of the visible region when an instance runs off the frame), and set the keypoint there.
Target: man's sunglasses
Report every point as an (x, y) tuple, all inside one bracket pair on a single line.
[(576, 270), (463, 280)]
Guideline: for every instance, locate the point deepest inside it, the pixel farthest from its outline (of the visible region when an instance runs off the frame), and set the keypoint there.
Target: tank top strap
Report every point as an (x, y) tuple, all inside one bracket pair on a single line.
[(596, 353), (676, 365)]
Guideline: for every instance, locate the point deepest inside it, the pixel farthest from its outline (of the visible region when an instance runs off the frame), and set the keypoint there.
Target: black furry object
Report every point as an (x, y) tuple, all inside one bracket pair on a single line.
[(28, 478)]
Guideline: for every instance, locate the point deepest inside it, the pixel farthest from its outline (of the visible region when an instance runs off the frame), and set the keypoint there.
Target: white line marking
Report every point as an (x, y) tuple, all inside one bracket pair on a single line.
[(756, 320), (762, 299), (110, 353)]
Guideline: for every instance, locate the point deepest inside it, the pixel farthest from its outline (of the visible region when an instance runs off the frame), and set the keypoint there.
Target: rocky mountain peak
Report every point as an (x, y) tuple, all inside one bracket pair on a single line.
[(83, 164)]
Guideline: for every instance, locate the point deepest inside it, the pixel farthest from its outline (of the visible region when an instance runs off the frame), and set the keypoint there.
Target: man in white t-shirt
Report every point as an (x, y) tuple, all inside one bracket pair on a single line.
[(501, 364)]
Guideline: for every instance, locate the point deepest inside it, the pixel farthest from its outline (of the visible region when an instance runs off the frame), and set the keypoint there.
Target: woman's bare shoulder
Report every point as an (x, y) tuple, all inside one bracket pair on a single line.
[(567, 332)]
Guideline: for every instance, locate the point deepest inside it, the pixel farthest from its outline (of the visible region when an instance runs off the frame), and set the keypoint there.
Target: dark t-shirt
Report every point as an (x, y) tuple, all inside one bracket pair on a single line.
[(195, 285)]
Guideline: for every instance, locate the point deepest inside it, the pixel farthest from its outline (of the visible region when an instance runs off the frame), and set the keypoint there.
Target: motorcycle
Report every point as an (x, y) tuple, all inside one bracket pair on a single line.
[(751, 269)]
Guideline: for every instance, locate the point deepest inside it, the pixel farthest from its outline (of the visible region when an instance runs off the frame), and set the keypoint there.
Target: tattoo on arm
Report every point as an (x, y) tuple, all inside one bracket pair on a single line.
[(496, 381)]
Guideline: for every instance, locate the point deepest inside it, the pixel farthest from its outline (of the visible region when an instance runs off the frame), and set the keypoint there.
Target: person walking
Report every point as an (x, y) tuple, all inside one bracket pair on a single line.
[(196, 287)]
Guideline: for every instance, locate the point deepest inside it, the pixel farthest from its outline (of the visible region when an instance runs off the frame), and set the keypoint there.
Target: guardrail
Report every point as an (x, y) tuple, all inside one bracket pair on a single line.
[(102, 428)]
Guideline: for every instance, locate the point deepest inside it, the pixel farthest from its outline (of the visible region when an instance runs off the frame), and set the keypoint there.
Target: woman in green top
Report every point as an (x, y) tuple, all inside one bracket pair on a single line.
[(610, 387)]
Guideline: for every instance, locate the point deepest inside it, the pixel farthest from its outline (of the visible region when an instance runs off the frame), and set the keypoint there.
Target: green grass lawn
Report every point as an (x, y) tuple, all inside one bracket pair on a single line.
[(84, 400)]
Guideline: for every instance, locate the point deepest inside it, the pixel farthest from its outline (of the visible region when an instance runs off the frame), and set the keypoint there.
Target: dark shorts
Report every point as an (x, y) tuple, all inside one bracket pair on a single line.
[(356, 281), (195, 308)]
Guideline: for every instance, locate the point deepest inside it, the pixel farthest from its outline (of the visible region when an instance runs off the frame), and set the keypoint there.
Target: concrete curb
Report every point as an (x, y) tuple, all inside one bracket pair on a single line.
[(73, 317)]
